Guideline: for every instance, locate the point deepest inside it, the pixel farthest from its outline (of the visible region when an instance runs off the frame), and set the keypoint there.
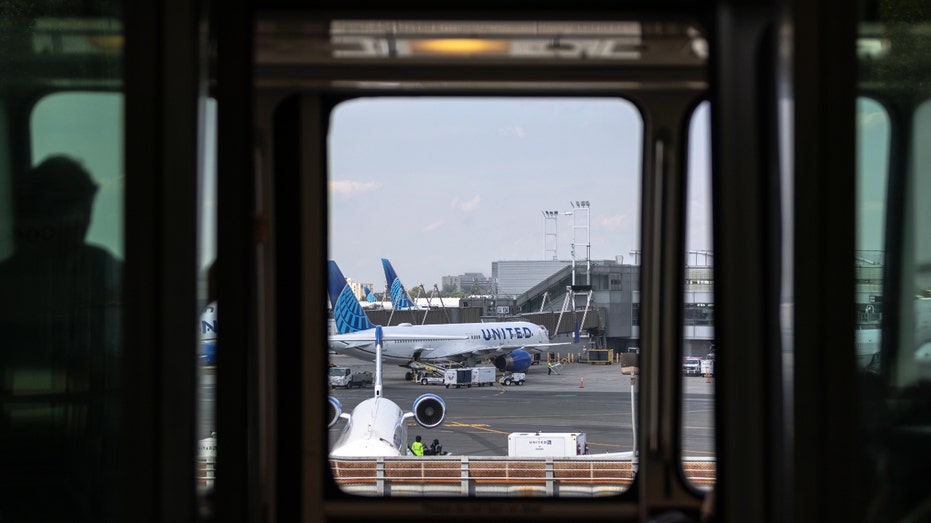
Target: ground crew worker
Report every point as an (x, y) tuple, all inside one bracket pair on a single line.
[(417, 446), (549, 367)]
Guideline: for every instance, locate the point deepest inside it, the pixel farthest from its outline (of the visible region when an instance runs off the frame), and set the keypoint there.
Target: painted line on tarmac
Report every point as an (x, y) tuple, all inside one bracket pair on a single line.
[(478, 426)]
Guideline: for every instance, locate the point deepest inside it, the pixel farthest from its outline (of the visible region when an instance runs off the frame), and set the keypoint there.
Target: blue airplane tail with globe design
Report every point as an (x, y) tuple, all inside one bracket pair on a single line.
[(400, 299), (347, 312)]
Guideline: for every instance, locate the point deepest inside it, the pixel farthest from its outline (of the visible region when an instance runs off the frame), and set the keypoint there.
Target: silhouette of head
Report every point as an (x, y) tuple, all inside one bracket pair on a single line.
[(417, 438), (53, 205)]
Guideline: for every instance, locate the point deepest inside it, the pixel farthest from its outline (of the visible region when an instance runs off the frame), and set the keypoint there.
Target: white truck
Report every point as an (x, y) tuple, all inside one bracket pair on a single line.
[(479, 376), (546, 444), (348, 378)]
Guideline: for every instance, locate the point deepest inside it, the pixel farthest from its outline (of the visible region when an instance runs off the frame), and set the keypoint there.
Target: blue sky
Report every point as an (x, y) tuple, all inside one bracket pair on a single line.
[(446, 186)]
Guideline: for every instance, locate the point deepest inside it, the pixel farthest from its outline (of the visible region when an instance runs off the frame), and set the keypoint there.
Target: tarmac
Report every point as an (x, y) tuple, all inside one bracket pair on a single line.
[(581, 397)]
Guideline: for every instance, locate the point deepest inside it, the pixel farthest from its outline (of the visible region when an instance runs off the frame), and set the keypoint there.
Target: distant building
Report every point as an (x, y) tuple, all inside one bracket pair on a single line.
[(514, 278), (470, 283), (358, 288)]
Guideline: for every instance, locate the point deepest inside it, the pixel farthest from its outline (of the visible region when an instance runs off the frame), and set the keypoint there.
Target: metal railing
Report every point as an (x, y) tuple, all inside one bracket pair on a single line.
[(588, 476)]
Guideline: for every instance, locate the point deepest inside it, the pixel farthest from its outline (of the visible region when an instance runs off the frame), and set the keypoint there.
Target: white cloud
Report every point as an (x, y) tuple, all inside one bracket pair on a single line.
[(617, 221), (434, 226), (512, 130), (349, 188), (469, 205)]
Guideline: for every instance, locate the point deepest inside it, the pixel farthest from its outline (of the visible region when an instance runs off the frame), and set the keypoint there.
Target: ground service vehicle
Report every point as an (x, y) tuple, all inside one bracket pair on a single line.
[(513, 378), (348, 378), (206, 126), (468, 376), (547, 444), (691, 366), (425, 378)]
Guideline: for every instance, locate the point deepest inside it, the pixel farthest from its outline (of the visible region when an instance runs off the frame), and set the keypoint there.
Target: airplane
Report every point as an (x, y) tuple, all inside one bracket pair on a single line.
[(378, 426), (400, 299), (506, 342), (369, 296), (207, 353)]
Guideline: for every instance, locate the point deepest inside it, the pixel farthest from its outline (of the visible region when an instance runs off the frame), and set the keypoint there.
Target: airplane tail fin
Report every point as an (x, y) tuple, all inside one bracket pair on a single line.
[(347, 312), (369, 296), (400, 299)]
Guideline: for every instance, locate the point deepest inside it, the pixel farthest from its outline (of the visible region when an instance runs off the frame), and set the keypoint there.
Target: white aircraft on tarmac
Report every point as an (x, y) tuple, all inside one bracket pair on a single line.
[(378, 426), (505, 342)]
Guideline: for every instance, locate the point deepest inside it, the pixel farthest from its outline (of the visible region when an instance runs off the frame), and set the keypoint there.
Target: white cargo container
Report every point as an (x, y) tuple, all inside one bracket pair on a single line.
[(469, 376), (546, 444)]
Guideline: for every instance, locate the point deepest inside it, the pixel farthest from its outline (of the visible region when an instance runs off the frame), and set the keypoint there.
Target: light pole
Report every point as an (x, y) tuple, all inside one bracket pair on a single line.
[(548, 233), (572, 245), (582, 206)]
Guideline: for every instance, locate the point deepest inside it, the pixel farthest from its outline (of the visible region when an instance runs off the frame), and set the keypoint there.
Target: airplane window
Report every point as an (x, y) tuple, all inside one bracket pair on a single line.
[(698, 342), (493, 243)]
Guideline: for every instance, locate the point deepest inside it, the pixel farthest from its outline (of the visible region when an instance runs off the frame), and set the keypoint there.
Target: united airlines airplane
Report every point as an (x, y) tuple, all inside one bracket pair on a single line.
[(506, 343), (400, 298)]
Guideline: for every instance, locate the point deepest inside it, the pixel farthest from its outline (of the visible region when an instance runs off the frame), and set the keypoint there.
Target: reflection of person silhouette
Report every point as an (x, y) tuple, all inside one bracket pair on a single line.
[(59, 342)]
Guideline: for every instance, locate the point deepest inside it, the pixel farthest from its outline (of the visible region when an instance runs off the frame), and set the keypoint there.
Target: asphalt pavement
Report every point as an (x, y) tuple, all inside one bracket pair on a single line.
[(581, 397)]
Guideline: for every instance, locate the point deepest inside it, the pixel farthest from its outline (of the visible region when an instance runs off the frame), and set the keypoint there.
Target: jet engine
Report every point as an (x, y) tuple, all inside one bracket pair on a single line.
[(514, 361), (429, 410), (334, 411)]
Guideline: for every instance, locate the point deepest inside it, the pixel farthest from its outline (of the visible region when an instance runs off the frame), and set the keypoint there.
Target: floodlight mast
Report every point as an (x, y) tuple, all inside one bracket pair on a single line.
[(582, 206), (549, 233)]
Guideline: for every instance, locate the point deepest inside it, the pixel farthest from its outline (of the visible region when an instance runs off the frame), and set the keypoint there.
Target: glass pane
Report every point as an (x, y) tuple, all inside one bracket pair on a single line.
[(61, 124), (894, 262), (206, 296), (698, 316), (872, 173), (436, 208)]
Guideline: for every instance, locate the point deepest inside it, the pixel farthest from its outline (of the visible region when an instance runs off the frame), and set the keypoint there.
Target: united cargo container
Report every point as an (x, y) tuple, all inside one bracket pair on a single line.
[(546, 444)]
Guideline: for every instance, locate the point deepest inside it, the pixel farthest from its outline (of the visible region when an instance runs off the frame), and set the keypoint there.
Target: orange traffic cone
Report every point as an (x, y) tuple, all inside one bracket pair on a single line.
[(581, 383), (707, 377)]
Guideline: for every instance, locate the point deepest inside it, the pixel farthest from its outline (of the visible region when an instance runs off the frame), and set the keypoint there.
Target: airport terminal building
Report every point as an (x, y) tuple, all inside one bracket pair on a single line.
[(606, 293), (603, 298)]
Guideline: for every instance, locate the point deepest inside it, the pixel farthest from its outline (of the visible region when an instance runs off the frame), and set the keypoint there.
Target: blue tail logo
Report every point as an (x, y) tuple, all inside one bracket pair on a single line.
[(347, 313), (399, 297)]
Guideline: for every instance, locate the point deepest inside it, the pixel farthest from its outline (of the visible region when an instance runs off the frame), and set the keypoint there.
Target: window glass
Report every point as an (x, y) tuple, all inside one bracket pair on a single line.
[(540, 197), (698, 315), (872, 173), (61, 265), (894, 262), (64, 124)]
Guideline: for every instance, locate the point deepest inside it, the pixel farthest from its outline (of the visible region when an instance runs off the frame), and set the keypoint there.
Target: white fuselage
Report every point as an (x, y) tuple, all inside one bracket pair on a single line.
[(376, 428), (441, 342)]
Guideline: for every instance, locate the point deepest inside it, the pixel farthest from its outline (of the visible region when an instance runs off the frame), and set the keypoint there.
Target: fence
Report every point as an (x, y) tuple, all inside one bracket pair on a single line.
[(590, 476)]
